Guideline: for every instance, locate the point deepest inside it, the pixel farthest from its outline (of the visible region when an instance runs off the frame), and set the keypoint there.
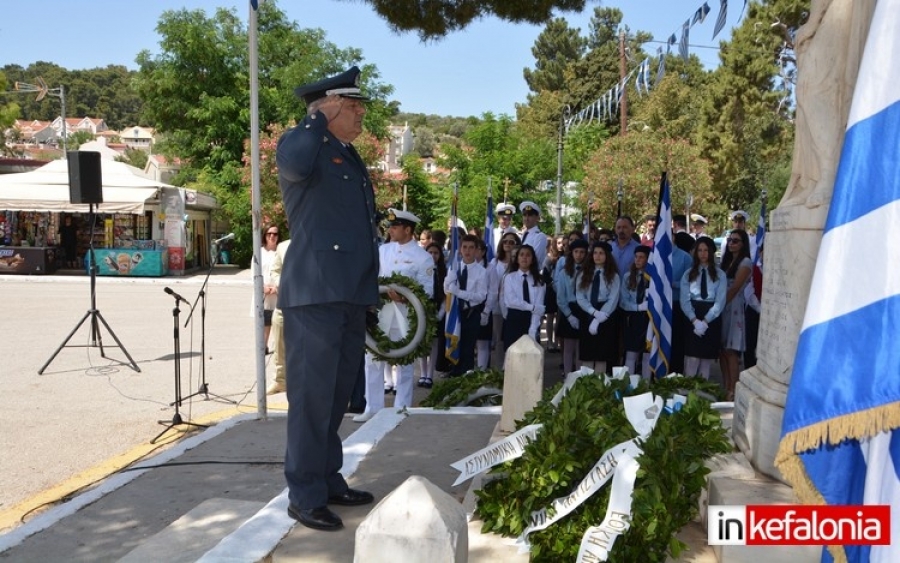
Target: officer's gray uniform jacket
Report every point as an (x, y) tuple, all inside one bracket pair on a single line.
[(330, 206)]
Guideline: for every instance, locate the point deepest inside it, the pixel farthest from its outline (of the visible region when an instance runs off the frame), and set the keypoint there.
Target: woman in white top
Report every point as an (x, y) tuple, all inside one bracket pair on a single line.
[(522, 298), (271, 236)]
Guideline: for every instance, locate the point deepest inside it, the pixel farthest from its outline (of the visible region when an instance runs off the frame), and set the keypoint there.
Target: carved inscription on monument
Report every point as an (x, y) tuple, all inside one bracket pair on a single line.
[(789, 262)]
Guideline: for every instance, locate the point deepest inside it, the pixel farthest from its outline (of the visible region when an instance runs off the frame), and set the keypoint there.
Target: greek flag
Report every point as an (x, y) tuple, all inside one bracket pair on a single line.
[(723, 17), (661, 69), (683, 46), (489, 224), (452, 326), (840, 439), (760, 232), (659, 267), (254, 4)]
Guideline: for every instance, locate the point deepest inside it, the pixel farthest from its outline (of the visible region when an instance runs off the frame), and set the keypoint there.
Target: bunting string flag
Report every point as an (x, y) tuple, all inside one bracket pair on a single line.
[(840, 437), (723, 17)]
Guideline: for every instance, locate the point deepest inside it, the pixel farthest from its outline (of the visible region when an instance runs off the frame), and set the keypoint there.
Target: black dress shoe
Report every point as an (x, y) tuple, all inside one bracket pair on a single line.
[(321, 518), (351, 497)]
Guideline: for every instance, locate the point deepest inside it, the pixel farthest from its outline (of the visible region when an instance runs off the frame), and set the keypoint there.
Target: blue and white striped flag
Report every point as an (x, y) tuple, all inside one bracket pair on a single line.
[(661, 69), (723, 17), (840, 441), (659, 266), (452, 325), (760, 232), (683, 46), (489, 224)]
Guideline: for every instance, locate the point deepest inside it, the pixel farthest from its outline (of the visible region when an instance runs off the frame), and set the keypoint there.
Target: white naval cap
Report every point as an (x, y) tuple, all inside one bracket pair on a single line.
[(697, 218), (739, 213), (529, 207), (398, 217), (505, 209)]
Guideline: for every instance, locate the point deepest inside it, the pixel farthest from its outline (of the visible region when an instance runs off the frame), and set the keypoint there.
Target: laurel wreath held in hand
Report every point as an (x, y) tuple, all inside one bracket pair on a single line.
[(417, 342)]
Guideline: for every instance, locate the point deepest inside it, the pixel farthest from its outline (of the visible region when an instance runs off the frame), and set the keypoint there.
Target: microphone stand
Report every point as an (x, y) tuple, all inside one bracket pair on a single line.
[(201, 298), (177, 420)]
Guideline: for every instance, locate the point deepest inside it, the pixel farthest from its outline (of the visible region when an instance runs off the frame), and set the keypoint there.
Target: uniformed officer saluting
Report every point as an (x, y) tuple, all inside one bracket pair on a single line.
[(329, 279), (404, 256)]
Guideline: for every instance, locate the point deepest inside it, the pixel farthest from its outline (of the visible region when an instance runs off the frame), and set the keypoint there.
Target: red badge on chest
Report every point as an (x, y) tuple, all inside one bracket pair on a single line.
[(337, 160)]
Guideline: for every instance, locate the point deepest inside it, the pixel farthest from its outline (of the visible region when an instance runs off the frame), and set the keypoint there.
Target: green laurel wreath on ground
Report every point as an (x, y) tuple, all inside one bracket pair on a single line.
[(385, 343), (589, 420), (474, 389)]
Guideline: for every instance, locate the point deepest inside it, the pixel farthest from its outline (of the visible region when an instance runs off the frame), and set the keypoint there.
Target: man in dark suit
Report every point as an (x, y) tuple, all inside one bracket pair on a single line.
[(329, 279)]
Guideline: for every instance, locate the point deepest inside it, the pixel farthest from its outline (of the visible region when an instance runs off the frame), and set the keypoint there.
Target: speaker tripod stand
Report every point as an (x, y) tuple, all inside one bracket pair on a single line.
[(177, 419), (93, 314)]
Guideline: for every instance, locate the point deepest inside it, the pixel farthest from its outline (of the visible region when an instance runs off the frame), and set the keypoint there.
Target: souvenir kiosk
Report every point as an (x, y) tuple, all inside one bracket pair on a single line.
[(143, 227)]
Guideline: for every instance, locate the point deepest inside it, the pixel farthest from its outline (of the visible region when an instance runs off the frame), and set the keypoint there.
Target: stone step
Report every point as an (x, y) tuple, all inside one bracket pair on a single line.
[(734, 486), (188, 538)]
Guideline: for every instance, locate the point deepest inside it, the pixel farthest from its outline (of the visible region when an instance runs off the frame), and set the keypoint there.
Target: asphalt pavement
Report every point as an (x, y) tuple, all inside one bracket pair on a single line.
[(81, 479)]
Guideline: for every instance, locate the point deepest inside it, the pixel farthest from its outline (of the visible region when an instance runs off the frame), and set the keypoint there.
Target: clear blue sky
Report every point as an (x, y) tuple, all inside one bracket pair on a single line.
[(467, 73)]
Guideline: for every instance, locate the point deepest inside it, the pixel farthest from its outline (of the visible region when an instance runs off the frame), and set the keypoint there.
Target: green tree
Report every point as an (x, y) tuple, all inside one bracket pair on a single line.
[(135, 157), (432, 20), (9, 112), (557, 47), (637, 160), (78, 138), (746, 129)]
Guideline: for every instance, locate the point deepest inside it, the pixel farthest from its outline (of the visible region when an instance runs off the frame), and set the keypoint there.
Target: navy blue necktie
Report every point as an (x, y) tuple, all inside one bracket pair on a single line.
[(641, 290), (526, 295), (524, 236), (704, 291), (464, 277), (595, 287)]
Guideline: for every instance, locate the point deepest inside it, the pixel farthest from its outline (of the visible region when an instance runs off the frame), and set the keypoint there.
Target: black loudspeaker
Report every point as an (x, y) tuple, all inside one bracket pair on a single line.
[(85, 179)]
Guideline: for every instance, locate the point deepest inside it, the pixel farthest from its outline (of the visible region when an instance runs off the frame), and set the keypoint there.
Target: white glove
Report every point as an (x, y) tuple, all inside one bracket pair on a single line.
[(700, 328), (601, 317), (573, 320), (485, 317), (440, 315), (595, 324), (451, 288), (703, 326), (642, 306)]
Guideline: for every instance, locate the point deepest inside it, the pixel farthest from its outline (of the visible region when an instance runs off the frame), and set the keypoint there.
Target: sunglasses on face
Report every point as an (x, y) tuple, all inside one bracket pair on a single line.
[(734, 240), (271, 234)]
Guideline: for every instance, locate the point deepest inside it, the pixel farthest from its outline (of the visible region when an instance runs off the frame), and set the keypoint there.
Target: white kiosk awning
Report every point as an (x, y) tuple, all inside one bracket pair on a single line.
[(125, 189)]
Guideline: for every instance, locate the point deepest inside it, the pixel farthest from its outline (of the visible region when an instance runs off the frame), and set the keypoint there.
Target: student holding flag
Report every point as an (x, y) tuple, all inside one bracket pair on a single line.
[(469, 285)]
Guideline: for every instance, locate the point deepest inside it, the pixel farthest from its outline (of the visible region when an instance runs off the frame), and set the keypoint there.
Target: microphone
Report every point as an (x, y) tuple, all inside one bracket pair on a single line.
[(229, 236), (177, 297)]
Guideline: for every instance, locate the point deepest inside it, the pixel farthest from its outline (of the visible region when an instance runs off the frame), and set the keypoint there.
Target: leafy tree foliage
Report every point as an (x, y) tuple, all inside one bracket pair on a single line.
[(432, 20), (747, 131), (638, 159), (9, 111), (104, 93), (197, 89), (557, 46)]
